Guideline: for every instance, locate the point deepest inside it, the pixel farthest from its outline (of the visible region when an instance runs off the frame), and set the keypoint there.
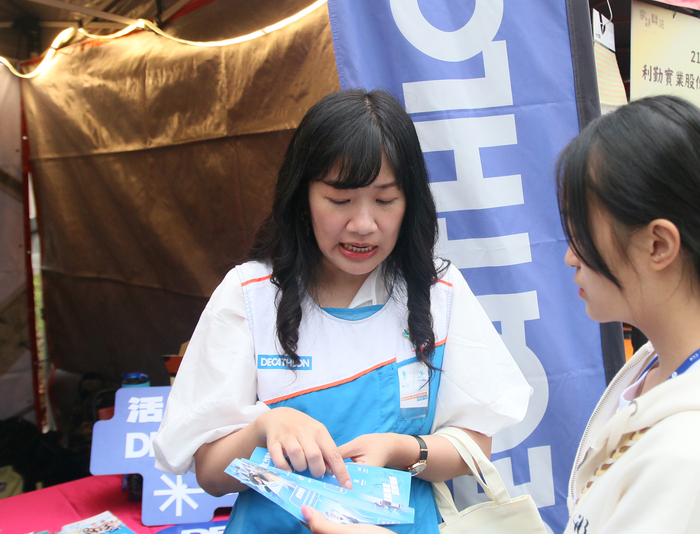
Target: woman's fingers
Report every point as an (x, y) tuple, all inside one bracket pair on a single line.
[(320, 525), (370, 449), (278, 456), (315, 453), (332, 457), (351, 449), (318, 452), (299, 442)]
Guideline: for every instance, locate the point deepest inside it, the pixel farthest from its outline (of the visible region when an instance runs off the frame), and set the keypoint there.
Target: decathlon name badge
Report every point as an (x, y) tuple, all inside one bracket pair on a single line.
[(413, 384)]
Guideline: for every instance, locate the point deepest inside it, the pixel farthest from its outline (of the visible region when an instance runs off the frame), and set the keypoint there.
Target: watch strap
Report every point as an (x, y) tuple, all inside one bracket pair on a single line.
[(422, 460), (423, 449)]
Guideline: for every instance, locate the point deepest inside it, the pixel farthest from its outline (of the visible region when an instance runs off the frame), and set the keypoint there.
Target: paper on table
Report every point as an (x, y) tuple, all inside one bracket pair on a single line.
[(106, 523)]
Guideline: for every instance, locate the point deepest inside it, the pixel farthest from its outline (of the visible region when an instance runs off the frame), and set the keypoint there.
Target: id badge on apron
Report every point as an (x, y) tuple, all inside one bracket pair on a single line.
[(414, 386)]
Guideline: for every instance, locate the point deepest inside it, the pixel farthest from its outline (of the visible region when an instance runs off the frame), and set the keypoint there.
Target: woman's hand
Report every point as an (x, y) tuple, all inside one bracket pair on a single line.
[(291, 434), (287, 434), (372, 449), (320, 525), (399, 451)]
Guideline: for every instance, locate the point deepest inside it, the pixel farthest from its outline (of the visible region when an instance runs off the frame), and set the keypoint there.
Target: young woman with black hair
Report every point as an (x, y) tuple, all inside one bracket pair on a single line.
[(629, 190), (343, 336), (629, 198)]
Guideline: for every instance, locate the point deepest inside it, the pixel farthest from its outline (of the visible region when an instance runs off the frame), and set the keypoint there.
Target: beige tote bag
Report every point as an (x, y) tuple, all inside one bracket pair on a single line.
[(502, 515)]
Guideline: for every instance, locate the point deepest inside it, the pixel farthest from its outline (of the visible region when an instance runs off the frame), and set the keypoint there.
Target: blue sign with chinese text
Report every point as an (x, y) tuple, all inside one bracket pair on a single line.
[(122, 445)]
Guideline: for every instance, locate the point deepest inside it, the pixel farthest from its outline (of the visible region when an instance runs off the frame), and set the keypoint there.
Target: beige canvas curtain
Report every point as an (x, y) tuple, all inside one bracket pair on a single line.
[(153, 164)]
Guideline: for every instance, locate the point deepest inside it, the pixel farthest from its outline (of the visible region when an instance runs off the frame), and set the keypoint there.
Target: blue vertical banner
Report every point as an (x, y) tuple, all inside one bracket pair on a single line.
[(490, 85)]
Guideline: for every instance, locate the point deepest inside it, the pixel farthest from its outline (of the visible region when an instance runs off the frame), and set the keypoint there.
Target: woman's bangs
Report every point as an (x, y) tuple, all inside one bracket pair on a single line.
[(359, 162), (580, 194), (575, 196)]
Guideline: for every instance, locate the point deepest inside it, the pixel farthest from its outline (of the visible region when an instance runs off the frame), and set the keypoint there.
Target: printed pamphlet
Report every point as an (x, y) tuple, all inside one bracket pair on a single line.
[(379, 495), (104, 523)]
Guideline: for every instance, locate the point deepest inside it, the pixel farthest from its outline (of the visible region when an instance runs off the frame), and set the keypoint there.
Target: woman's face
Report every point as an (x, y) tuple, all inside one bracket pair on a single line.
[(356, 229), (604, 300)]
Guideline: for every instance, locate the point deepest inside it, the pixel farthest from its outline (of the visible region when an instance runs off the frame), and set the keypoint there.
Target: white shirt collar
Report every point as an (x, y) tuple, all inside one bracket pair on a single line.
[(372, 292)]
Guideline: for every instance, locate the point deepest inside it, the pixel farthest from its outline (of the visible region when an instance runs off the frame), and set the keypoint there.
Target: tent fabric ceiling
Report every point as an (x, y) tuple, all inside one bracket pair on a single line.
[(205, 20), (153, 164)]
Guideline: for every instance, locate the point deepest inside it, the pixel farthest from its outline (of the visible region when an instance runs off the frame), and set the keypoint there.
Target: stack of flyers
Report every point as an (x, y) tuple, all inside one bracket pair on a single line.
[(379, 496), (106, 522)]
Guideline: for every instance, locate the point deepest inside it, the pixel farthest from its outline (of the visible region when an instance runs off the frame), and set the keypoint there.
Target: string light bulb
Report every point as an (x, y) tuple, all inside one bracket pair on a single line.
[(61, 39), (294, 18), (121, 33), (236, 40)]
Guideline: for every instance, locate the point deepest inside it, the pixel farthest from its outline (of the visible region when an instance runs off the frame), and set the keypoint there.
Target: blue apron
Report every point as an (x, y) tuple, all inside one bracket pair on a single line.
[(369, 403)]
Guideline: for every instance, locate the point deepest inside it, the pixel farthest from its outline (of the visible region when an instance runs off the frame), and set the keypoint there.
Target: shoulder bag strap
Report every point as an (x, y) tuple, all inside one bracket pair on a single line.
[(484, 471)]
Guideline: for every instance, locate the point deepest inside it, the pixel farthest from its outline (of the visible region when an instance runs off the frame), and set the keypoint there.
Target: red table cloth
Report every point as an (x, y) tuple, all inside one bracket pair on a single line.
[(51, 508)]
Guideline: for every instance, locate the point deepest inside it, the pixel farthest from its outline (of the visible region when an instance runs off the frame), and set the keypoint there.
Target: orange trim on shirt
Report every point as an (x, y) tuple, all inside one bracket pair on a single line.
[(256, 280), (332, 384), (445, 282)]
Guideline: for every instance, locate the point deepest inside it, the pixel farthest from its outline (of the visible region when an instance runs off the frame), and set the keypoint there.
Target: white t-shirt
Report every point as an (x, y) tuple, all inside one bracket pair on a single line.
[(214, 394)]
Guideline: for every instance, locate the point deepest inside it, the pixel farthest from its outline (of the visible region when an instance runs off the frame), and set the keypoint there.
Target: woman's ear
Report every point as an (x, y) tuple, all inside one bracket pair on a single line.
[(664, 243)]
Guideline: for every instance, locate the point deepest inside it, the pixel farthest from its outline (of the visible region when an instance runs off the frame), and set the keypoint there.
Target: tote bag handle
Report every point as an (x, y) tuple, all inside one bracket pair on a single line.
[(484, 472), (502, 515)]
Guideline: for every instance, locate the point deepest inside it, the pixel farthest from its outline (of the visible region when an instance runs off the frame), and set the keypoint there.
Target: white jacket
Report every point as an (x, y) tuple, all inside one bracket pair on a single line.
[(654, 486)]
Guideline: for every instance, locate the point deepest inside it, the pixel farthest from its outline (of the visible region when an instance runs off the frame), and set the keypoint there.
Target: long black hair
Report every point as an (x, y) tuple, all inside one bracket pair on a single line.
[(348, 132), (639, 163)]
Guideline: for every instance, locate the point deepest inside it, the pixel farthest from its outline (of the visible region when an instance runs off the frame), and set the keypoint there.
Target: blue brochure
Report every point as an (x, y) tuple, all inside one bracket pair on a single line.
[(379, 496)]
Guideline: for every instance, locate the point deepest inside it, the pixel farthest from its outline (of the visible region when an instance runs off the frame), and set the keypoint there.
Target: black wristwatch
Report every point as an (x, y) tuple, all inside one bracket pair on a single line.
[(422, 460)]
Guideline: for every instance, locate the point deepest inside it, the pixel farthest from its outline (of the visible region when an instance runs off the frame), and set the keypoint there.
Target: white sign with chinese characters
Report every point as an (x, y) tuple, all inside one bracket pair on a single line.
[(665, 53)]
